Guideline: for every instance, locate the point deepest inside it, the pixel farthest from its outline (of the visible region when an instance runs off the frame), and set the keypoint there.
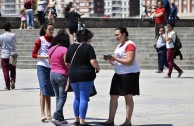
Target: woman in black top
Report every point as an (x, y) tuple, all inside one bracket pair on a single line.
[(83, 68)]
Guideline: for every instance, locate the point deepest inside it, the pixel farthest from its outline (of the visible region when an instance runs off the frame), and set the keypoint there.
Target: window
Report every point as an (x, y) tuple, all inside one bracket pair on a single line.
[(192, 2)]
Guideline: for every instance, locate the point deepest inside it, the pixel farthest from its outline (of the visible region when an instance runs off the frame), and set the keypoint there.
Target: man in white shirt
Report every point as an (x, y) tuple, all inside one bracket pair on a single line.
[(8, 45), (170, 39), (161, 49)]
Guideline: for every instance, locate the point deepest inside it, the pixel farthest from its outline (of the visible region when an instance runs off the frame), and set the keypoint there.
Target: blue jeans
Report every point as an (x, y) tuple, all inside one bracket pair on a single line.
[(30, 17), (82, 91), (162, 60), (58, 82)]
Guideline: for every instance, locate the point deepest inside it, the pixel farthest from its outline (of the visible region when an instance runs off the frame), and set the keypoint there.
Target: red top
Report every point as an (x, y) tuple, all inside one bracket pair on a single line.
[(38, 44), (27, 4), (160, 20)]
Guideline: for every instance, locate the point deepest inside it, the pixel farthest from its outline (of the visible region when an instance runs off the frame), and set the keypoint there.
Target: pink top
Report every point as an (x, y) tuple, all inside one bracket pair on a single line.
[(57, 61), (23, 17)]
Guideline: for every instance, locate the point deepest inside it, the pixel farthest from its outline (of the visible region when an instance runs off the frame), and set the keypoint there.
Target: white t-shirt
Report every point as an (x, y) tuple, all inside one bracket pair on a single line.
[(43, 51), (160, 42), (121, 53), (42, 5), (7, 44), (170, 44)]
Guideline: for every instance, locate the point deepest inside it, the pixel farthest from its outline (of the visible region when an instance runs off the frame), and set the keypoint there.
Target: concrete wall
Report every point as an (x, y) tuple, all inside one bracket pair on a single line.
[(97, 22)]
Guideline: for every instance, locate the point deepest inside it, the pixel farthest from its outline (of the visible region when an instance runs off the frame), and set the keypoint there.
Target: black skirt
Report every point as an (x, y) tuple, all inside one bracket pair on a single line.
[(125, 84)]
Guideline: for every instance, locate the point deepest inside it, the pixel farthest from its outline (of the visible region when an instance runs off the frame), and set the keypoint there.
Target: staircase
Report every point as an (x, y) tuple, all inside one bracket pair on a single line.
[(104, 42)]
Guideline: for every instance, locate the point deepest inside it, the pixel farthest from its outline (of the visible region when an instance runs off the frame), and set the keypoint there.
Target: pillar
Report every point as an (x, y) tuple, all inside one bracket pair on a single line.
[(180, 6), (189, 3)]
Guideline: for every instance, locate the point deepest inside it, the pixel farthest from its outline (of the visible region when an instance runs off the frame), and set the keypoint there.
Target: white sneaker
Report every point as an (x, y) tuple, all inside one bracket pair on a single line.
[(56, 122)]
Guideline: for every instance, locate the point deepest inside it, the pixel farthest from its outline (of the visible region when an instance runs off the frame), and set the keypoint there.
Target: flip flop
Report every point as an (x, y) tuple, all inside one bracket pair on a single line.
[(43, 119)]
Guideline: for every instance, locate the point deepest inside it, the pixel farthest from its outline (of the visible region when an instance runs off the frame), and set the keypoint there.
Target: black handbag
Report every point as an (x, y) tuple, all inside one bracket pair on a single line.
[(93, 91)]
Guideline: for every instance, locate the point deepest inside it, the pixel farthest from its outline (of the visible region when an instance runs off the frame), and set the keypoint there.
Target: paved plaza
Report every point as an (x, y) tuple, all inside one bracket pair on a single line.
[(162, 102)]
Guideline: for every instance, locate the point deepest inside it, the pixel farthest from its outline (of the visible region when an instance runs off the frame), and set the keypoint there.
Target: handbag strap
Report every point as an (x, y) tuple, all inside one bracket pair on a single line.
[(53, 51), (75, 53)]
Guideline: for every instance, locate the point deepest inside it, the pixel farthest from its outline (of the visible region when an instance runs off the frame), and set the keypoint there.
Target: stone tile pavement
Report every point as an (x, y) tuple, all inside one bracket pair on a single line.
[(163, 101)]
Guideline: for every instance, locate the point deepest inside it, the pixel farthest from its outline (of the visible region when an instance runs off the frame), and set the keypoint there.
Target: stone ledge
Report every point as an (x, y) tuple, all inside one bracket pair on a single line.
[(97, 22)]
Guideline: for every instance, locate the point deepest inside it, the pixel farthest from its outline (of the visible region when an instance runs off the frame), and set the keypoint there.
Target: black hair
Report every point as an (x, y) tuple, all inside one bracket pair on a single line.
[(7, 26), (61, 39), (84, 35), (171, 24), (70, 4), (44, 27), (123, 30)]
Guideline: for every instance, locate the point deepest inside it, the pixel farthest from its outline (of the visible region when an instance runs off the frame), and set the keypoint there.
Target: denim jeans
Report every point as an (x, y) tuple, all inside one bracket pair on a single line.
[(58, 82), (30, 17), (162, 60)]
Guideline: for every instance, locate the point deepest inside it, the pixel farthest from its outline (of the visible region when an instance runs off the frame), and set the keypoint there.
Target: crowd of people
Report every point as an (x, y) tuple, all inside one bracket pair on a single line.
[(165, 16), (33, 11), (77, 64), (64, 62)]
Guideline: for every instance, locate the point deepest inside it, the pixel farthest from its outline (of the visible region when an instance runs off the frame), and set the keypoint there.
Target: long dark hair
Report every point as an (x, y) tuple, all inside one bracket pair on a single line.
[(44, 27), (61, 39)]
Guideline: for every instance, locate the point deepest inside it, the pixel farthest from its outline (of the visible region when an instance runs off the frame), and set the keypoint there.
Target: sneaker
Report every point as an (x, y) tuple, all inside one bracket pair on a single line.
[(159, 71), (64, 122), (56, 122), (180, 73)]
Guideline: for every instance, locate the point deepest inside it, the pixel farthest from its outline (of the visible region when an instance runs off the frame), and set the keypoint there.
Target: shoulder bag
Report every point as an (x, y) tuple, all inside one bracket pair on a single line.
[(93, 91)]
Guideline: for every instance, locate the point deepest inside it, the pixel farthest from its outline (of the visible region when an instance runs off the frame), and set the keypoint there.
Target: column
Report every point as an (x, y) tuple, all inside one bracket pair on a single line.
[(180, 6), (189, 6)]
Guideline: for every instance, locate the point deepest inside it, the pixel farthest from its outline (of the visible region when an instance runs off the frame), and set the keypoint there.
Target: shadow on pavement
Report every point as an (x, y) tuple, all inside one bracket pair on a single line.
[(26, 88), (154, 125), (187, 77), (22, 89)]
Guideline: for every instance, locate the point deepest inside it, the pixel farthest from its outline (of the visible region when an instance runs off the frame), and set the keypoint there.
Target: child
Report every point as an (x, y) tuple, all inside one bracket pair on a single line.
[(23, 19)]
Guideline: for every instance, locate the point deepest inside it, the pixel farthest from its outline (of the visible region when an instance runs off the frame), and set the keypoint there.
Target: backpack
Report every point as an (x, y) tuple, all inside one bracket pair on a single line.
[(177, 43)]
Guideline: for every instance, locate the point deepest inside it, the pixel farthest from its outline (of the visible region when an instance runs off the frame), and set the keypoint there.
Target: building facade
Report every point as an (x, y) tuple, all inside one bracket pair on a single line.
[(98, 8)]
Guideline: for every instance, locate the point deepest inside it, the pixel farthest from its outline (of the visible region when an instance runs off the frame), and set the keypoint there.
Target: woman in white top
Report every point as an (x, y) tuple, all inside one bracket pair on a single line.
[(125, 81)]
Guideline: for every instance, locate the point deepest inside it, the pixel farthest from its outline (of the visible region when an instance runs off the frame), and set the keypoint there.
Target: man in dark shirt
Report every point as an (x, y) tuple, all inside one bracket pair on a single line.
[(173, 13)]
